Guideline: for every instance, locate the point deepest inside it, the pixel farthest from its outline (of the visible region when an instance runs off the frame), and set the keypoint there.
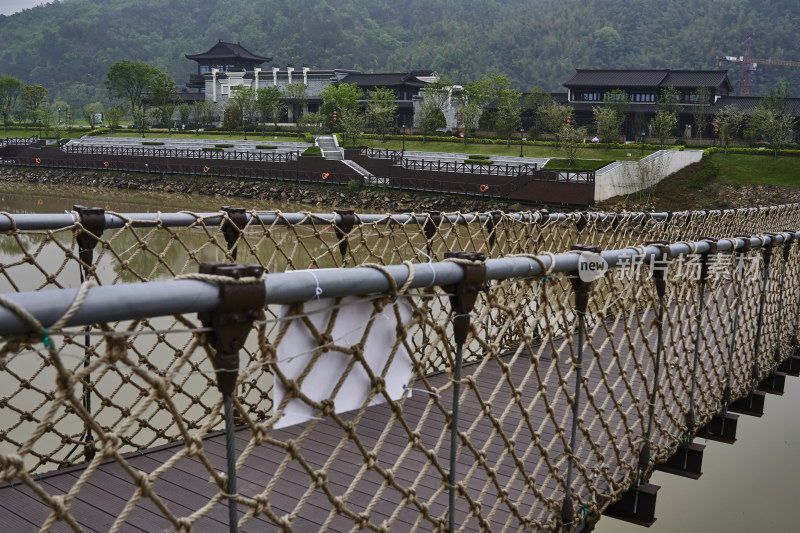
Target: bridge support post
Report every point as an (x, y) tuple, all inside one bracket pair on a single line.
[(93, 222), (581, 287), (232, 226), (721, 427), (462, 301), (347, 220), (240, 305)]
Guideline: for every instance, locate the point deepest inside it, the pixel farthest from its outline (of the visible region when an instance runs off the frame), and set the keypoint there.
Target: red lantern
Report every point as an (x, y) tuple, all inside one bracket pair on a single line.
[(334, 116)]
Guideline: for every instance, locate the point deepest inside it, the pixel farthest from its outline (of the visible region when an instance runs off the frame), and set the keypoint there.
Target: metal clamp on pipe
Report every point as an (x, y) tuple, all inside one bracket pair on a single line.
[(93, 221), (232, 226), (464, 293), (343, 229), (233, 319)]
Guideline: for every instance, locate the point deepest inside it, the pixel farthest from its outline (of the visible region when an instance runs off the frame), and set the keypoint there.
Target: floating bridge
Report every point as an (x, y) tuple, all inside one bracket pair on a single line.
[(267, 371)]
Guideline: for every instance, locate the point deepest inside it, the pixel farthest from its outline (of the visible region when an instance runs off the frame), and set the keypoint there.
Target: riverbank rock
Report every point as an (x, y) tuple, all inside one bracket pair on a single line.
[(342, 197)]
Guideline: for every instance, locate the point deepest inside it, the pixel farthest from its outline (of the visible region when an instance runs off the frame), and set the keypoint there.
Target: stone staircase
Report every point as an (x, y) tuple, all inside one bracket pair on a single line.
[(330, 148)]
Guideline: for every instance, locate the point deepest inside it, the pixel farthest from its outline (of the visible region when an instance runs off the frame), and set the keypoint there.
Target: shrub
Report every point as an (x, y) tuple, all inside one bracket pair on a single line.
[(152, 143), (223, 145), (313, 151), (308, 137), (265, 147), (211, 149), (353, 185), (477, 156)]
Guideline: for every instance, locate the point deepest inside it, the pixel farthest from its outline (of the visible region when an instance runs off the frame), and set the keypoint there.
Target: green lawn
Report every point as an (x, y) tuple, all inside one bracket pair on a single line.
[(739, 169), (617, 154)]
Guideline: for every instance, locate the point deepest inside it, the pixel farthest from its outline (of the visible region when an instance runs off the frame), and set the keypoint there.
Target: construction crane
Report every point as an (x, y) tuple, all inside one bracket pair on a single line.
[(749, 64)]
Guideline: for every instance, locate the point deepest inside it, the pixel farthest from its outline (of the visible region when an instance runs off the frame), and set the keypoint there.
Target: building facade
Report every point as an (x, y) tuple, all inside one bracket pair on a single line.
[(227, 65)]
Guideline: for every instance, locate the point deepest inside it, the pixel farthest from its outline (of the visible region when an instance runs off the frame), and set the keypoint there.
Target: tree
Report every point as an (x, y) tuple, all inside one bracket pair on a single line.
[(90, 112), (244, 100), (130, 80), (114, 115), (352, 124), (773, 126), (509, 113), (297, 95), (381, 109), (10, 89), (33, 98), (163, 94), (666, 118), (553, 116), (309, 122), (728, 120), (620, 102), (663, 124), (605, 119), (340, 98), (571, 140), (268, 102), (202, 114), (429, 118), (536, 100), (184, 110), (701, 100)]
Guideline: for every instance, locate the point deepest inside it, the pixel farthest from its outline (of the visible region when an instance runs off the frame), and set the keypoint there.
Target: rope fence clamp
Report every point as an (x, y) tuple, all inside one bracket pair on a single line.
[(462, 301), (343, 228), (240, 305), (233, 226)]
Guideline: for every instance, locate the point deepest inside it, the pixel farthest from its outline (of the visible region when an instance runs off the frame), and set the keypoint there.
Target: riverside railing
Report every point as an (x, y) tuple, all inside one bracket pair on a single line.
[(373, 421), (271, 156)]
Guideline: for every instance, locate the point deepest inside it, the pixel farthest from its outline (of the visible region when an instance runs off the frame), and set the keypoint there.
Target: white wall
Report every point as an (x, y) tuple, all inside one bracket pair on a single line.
[(627, 177)]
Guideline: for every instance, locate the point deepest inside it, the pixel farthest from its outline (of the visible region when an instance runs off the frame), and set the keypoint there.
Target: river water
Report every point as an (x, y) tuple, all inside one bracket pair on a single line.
[(746, 487)]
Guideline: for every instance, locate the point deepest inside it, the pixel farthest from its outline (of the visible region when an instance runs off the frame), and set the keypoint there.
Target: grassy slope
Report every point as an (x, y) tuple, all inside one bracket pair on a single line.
[(721, 182)]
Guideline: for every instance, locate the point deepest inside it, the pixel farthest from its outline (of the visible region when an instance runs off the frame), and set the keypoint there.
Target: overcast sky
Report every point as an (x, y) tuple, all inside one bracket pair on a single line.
[(7, 7)]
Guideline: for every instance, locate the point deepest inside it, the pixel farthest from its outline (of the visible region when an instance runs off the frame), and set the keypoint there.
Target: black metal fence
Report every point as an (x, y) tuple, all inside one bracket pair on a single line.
[(185, 153)]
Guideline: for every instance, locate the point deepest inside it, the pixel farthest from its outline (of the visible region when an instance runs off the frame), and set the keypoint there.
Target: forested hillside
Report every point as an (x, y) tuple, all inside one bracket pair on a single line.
[(68, 46)]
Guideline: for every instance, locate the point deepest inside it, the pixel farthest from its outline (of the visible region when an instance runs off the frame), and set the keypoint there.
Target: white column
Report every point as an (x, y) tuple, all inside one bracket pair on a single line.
[(256, 70), (290, 70), (305, 75), (275, 76), (214, 79)]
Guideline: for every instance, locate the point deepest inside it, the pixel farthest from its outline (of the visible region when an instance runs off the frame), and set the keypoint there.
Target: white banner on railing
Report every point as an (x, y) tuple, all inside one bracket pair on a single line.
[(352, 323)]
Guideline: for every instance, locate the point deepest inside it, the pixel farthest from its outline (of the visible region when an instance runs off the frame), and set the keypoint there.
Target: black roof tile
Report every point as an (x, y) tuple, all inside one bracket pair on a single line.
[(223, 50)]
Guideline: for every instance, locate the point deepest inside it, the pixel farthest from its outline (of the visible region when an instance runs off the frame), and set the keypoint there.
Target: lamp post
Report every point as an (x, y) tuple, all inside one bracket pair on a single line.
[(404, 139), (642, 143), (521, 132), (142, 122)]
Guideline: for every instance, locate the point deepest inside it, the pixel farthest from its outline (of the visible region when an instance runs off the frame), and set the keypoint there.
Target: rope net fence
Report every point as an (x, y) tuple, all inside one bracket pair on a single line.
[(467, 394)]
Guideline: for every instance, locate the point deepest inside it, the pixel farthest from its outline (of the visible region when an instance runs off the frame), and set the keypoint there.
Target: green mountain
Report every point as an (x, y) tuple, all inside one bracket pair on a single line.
[(67, 46)]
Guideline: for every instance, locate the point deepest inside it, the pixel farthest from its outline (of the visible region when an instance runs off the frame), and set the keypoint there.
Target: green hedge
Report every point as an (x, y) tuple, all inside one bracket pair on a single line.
[(788, 152), (535, 142), (211, 149), (265, 147), (313, 151), (223, 146), (477, 156)]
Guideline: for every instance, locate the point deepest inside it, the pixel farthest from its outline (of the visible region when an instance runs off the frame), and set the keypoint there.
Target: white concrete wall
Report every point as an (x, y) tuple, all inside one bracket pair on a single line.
[(628, 177)]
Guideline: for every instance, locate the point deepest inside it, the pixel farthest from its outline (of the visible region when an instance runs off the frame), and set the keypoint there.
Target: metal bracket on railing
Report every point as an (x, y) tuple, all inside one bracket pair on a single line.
[(462, 300), (343, 229), (93, 220), (232, 226), (232, 321), (430, 227), (240, 305)]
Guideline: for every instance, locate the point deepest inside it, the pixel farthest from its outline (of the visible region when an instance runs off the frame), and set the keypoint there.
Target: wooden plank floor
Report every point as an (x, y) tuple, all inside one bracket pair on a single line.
[(186, 487)]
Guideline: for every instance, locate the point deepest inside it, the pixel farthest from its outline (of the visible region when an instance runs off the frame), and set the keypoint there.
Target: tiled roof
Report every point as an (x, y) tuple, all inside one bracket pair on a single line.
[(223, 50), (698, 78), (749, 103), (649, 78), (616, 78), (390, 79)]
